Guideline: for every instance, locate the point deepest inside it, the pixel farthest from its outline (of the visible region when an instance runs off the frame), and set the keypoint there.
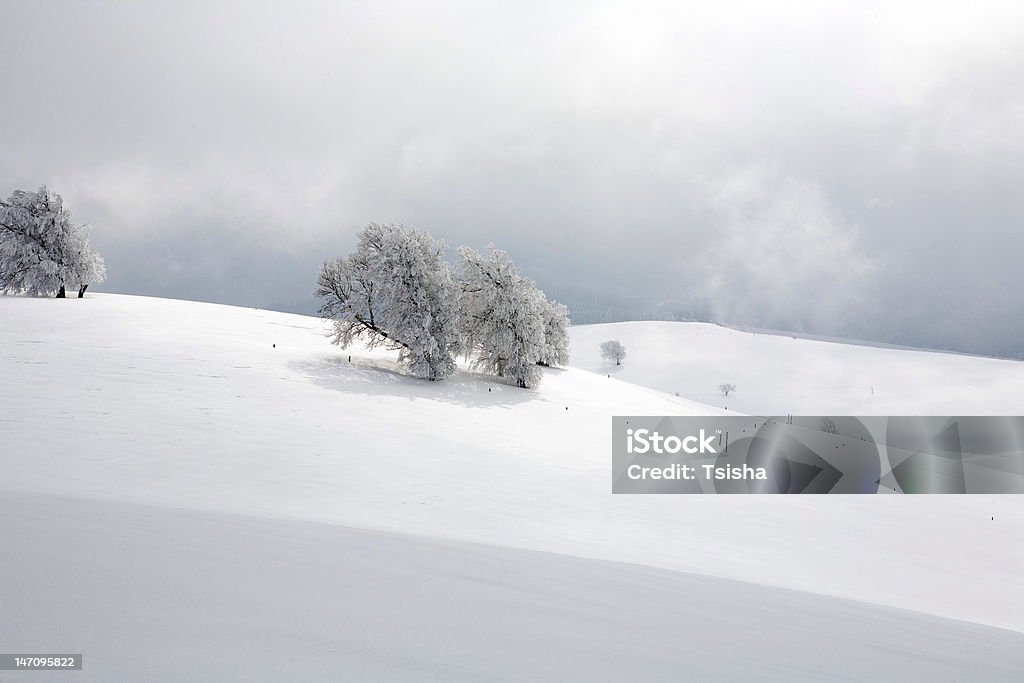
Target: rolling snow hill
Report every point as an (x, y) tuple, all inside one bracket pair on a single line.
[(202, 410), (150, 594), (779, 375)]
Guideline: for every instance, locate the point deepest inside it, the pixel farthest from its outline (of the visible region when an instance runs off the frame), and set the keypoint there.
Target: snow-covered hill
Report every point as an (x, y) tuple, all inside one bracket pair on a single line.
[(175, 402), (212, 408), (779, 374), (150, 594)]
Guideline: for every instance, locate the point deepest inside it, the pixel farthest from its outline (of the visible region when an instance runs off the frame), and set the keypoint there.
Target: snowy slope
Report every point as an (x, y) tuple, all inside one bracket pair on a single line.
[(193, 406), (151, 594), (779, 375)]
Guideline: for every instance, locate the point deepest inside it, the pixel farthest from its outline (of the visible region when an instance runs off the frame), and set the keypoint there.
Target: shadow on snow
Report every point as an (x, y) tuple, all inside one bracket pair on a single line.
[(384, 377)]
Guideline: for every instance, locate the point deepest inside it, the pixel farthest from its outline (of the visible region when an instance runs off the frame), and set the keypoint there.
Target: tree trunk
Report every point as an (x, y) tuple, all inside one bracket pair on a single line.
[(618, 362), (81, 291), (61, 293)]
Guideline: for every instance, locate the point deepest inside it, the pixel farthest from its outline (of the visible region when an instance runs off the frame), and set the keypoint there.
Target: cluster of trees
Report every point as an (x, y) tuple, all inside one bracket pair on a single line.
[(42, 251), (397, 291)]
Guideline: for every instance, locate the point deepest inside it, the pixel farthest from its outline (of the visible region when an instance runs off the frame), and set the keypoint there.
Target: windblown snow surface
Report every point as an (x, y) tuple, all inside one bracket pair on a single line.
[(200, 492)]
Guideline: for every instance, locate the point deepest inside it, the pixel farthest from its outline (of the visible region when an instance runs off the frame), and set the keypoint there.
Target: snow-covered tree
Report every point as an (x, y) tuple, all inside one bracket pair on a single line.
[(397, 291), (556, 334), (829, 426), (42, 252), (87, 267), (613, 350), (502, 316), (726, 389)]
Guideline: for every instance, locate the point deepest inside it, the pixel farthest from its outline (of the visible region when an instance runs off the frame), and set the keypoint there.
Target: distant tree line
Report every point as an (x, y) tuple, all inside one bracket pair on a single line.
[(396, 290), (610, 306)]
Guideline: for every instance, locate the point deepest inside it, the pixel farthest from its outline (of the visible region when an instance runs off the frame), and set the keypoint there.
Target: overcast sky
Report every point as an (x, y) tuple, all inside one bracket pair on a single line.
[(853, 169)]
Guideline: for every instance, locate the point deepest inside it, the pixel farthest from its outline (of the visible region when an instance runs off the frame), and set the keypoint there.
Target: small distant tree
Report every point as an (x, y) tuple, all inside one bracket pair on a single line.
[(726, 389), (829, 426), (613, 350), (555, 350), (397, 291), (42, 251), (502, 316)]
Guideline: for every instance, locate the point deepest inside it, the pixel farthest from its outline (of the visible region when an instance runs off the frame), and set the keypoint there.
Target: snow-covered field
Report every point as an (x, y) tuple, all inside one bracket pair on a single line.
[(149, 594), (779, 375), (200, 409)]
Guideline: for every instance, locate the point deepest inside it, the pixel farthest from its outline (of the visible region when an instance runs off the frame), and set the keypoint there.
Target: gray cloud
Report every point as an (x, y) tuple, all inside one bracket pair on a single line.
[(828, 168)]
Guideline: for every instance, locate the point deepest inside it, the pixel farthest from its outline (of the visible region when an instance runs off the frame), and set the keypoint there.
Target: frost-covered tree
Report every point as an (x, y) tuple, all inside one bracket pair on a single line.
[(556, 333), (397, 291), (42, 251), (829, 426), (726, 389), (613, 350), (87, 267), (502, 316)]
